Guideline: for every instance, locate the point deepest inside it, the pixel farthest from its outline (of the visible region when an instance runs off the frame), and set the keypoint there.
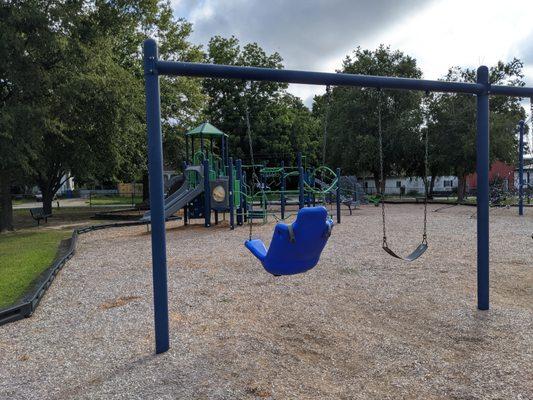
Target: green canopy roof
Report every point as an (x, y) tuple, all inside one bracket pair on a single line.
[(206, 130)]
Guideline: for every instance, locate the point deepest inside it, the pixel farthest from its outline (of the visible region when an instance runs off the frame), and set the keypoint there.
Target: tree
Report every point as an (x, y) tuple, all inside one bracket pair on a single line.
[(85, 69), (21, 112), (452, 123), (353, 136), (280, 124)]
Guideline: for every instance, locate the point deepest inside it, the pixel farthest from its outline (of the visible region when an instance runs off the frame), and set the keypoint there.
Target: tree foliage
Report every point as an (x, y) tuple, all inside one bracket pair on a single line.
[(280, 123), (86, 97), (353, 135), (451, 123), (72, 102)]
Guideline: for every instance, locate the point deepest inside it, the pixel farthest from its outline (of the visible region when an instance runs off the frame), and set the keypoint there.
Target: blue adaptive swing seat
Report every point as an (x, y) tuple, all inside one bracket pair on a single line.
[(295, 248)]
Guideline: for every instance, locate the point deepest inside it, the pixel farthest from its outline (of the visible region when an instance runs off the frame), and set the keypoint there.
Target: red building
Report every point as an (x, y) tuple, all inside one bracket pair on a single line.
[(498, 170)]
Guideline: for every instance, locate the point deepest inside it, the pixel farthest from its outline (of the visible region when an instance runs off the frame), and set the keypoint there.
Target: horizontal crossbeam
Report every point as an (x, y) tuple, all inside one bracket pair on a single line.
[(328, 78)]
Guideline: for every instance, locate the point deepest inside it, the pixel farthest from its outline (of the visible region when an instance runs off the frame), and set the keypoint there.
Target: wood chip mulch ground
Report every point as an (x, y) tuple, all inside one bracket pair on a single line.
[(361, 325)]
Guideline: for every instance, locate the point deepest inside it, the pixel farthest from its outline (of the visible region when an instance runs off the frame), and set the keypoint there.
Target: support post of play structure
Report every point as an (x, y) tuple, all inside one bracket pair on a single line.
[(239, 178), (207, 195), (311, 196), (186, 206), (244, 198), (338, 195), (482, 170), (186, 149), (157, 196), (223, 148), (521, 169), (300, 181), (283, 186), (230, 188), (227, 151)]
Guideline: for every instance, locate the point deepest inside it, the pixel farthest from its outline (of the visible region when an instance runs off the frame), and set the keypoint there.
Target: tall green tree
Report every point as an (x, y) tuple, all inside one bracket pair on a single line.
[(452, 123), (280, 123), (85, 70), (21, 88), (352, 131)]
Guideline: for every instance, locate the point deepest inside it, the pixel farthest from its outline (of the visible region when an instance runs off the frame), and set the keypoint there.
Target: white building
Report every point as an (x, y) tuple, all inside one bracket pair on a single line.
[(528, 173), (411, 185), (67, 186)]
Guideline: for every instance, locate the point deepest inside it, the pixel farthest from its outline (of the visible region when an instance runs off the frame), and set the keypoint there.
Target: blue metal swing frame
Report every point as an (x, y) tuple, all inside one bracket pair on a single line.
[(153, 68)]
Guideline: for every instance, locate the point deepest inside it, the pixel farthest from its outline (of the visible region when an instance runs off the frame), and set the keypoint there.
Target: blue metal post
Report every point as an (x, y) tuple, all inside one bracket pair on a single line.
[(300, 181), (239, 178), (338, 195), (521, 169), (186, 207), (482, 169), (245, 202), (186, 149), (230, 187), (311, 196), (227, 151), (207, 195), (223, 148), (157, 197), (283, 186)]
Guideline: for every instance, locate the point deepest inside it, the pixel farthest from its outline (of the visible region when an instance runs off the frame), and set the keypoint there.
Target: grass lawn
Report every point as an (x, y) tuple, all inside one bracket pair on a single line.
[(25, 200), (23, 256), (60, 216), (114, 200)]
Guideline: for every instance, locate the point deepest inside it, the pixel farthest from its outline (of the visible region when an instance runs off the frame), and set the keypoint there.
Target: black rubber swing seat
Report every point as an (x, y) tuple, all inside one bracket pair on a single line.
[(421, 249)]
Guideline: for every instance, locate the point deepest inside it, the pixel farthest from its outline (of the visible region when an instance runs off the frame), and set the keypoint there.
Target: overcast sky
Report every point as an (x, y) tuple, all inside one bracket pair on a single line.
[(318, 34)]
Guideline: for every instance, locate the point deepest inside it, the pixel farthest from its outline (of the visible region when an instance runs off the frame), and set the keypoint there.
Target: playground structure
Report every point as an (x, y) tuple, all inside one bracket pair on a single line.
[(214, 184), (154, 68)]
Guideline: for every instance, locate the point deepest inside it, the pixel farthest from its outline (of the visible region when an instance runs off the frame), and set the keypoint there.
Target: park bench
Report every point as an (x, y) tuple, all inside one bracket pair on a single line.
[(38, 214)]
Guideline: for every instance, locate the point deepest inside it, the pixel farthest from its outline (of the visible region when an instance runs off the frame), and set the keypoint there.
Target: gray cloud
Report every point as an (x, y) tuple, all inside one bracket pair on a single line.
[(306, 33), (525, 49)]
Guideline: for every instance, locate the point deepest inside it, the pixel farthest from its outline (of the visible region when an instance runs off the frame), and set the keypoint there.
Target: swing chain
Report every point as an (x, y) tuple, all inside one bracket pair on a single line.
[(382, 175), (255, 178), (426, 185), (426, 189), (326, 122), (254, 175), (381, 172)]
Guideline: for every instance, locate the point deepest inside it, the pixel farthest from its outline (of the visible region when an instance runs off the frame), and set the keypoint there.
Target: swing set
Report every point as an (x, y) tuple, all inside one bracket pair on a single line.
[(314, 218)]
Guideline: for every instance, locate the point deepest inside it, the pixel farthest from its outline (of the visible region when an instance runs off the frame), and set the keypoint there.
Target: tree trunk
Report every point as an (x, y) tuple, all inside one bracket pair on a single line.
[(6, 206), (146, 189), (380, 186), (431, 186), (376, 183), (48, 197), (461, 184)]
